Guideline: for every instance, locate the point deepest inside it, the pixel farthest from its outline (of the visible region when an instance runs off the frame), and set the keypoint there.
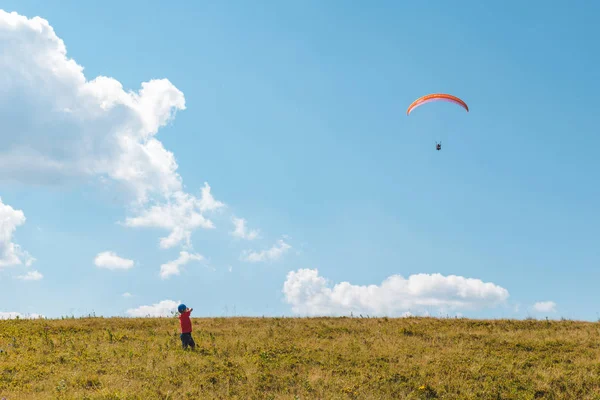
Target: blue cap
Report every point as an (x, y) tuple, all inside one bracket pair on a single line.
[(181, 308)]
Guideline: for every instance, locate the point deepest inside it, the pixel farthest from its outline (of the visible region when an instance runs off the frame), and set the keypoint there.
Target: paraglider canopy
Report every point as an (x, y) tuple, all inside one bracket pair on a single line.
[(436, 97)]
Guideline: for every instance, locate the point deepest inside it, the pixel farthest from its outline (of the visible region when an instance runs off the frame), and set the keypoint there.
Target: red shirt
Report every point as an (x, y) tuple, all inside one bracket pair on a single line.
[(186, 323)]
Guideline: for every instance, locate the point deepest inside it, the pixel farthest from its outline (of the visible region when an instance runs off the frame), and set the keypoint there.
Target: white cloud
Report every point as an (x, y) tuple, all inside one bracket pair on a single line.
[(110, 260), (164, 308), (127, 294), (309, 294), (173, 267), (241, 230), (207, 201), (14, 315), (31, 276), (545, 306), (181, 215), (59, 126), (274, 253), (10, 252)]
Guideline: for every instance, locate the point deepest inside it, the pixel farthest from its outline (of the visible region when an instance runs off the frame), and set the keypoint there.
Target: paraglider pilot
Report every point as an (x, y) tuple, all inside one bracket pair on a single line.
[(438, 146)]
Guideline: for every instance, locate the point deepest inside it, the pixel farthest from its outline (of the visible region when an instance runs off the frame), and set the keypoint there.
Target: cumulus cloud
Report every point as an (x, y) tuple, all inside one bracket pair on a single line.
[(11, 253), (545, 306), (309, 294), (15, 315), (272, 254), (164, 308), (110, 260), (241, 230), (127, 294), (182, 214), (58, 126), (31, 276), (173, 267)]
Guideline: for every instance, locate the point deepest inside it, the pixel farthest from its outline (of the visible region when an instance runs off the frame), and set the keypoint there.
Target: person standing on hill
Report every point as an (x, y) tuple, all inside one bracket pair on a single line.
[(186, 327)]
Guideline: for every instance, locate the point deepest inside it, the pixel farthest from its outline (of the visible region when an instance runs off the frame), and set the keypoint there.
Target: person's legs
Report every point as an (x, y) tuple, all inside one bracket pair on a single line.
[(185, 339), (191, 342)]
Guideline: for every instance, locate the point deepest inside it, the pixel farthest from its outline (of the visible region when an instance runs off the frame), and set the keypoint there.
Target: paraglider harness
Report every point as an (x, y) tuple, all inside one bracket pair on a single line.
[(438, 146)]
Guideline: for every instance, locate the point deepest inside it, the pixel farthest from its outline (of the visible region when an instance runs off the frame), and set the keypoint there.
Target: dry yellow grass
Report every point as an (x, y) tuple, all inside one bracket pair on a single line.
[(293, 358)]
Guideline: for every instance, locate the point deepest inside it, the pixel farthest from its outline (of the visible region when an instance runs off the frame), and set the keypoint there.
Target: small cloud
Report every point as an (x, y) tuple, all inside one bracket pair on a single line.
[(274, 253), (241, 230), (110, 260), (31, 276), (183, 214), (230, 268), (14, 315), (545, 306), (127, 294), (207, 200), (164, 308), (172, 267)]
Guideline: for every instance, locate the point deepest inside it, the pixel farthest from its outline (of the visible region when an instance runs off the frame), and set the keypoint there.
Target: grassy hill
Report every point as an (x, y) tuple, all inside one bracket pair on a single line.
[(289, 358)]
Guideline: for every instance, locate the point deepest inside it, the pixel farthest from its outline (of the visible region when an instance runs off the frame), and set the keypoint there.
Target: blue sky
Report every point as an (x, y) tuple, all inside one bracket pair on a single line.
[(295, 117)]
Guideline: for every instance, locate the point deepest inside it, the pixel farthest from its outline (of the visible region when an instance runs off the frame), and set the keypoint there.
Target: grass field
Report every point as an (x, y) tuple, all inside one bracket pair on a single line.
[(296, 358)]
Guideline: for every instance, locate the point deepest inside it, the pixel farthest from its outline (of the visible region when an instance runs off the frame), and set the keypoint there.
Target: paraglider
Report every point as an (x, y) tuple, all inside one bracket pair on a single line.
[(436, 97)]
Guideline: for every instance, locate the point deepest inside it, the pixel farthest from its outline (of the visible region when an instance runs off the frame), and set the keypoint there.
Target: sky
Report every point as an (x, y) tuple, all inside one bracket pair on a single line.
[(256, 159)]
